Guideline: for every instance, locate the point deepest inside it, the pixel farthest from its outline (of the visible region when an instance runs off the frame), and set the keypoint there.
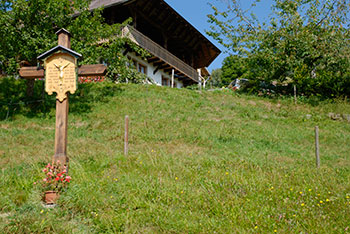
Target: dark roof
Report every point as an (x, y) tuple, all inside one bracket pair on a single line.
[(105, 3), (57, 48), (63, 30), (209, 50)]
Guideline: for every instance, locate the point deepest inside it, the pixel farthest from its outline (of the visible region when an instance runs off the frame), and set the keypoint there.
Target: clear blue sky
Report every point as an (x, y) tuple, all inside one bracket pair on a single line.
[(196, 11)]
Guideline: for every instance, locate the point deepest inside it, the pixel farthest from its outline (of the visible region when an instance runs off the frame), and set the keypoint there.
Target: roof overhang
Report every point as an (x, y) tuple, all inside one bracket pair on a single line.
[(207, 51)]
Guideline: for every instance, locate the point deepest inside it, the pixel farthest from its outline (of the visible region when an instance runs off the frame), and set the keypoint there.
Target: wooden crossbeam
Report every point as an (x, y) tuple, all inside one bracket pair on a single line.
[(92, 70), (31, 72), (84, 70)]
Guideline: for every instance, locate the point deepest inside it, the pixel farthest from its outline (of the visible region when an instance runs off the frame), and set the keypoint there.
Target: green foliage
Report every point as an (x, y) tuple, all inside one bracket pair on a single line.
[(216, 77), (214, 162), (234, 67), (14, 100), (304, 41), (28, 29)]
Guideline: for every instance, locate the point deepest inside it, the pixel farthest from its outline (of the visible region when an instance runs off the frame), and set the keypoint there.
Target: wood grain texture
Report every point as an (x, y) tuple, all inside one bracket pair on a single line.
[(62, 108), (61, 131)]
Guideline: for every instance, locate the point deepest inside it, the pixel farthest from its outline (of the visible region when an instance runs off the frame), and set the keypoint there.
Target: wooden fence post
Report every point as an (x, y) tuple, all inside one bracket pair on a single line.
[(126, 136), (317, 147)]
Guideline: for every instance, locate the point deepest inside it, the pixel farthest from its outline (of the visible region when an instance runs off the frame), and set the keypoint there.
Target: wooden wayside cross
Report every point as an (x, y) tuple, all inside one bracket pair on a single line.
[(60, 75), (60, 64)]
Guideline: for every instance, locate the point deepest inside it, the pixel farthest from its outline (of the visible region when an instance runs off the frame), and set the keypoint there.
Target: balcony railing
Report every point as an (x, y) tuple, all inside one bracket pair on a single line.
[(159, 52)]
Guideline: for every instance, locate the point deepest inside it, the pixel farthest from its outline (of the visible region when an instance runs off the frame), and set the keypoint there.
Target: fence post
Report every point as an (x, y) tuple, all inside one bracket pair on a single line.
[(317, 147), (126, 136), (295, 94)]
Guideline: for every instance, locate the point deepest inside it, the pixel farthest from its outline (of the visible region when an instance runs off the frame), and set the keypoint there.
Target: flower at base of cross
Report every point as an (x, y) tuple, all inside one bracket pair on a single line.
[(56, 178)]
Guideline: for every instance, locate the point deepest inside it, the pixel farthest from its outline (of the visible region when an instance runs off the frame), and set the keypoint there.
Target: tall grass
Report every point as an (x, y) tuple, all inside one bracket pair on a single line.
[(198, 163)]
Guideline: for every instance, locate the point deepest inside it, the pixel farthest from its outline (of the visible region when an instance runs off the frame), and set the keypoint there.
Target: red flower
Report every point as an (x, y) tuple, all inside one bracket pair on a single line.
[(57, 178)]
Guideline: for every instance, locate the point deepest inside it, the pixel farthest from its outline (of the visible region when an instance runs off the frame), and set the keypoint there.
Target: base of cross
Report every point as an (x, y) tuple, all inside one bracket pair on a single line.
[(62, 108), (60, 159)]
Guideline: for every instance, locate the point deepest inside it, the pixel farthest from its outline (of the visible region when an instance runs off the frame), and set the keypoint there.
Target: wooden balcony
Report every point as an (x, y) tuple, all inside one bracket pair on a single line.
[(162, 58)]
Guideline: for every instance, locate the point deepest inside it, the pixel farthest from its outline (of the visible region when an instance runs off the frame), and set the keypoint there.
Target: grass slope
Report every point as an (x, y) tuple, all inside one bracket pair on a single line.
[(199, 163)]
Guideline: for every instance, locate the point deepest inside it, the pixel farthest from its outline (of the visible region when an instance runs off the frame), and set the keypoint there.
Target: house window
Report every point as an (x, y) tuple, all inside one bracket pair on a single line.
[(165, 81), (143, 69)]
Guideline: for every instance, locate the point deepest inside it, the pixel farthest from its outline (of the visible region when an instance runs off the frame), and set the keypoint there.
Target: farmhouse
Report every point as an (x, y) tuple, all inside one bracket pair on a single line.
[(178, 49)]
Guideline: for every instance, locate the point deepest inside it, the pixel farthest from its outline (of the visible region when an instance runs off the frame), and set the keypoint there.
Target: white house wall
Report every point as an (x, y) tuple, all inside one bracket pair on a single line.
[(150, 69)]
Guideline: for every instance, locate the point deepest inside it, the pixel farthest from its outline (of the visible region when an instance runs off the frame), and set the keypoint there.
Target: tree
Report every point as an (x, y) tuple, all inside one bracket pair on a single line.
[(28, 29), (233, 67), (216, 76), (305, 41)]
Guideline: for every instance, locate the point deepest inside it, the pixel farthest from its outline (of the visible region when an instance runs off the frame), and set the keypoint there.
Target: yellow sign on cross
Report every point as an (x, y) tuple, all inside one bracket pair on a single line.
[(60, 75)]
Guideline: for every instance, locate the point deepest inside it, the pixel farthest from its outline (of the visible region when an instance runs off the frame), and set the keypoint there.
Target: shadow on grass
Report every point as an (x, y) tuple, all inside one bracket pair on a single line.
[(15, 101)]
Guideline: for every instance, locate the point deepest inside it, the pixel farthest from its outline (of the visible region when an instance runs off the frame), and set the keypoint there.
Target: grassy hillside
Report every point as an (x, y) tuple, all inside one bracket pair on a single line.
[(198, 163)]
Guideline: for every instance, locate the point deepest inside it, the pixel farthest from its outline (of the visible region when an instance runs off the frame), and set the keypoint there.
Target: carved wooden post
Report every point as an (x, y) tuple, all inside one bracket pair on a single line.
[(62, 112), (61, 77)]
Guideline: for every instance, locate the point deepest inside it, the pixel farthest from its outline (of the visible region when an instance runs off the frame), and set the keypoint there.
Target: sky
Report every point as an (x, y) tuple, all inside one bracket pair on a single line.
[(196, 11)]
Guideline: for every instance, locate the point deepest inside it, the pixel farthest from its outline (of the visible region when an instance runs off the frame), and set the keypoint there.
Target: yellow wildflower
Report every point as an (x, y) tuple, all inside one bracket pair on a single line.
[(176, 178), (321, 202), (256, 227), (327, 200), (42, 211), (310, 190), (301, 193), (226, 173), (302, 204)]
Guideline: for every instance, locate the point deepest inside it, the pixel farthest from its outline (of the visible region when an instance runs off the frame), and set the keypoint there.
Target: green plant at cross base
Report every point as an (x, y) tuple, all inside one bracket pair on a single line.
[(56, 177), (303, 41)]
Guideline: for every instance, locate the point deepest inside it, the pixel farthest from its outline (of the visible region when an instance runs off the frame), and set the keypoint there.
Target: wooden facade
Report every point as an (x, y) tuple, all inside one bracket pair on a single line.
[(172, 41)]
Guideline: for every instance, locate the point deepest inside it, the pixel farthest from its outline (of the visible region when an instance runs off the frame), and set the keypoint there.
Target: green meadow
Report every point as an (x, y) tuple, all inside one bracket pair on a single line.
[(199, 162)]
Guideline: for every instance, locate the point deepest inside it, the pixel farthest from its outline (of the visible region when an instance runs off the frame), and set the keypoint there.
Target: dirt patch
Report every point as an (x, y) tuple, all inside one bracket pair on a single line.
[(285, 160), (4, 126), (79, 124), (4, 215), (252, 103)]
